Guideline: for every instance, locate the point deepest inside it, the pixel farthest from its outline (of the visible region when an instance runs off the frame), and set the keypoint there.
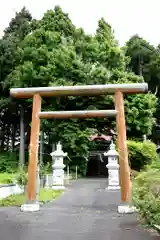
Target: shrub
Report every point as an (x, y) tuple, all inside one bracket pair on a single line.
[(44, 169), (141, 154), (21, 176), (6, 178), (146, 192), (8, 162)]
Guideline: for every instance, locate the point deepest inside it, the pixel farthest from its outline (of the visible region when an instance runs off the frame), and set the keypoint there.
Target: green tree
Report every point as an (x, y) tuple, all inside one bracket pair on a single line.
[(10, 57), (19, 26), (145, 60), (56, 53), (140, 53), (57, 21)]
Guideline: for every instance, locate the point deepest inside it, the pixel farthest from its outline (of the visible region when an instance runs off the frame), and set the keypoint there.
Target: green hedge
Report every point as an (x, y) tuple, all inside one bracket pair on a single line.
[(141, 154), (146, 192), (9, 162)]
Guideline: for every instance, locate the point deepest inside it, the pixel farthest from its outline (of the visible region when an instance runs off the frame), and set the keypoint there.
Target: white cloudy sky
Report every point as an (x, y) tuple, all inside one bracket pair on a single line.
[(127, 17)]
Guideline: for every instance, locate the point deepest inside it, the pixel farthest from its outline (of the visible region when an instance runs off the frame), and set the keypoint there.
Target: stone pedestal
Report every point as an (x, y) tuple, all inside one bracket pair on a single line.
[(127, 209), (58, 167), (30, 207), (113, 168)]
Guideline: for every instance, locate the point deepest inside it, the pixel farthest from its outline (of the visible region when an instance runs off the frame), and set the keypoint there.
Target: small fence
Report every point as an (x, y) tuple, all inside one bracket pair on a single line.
[(9, 189), (47, 180)]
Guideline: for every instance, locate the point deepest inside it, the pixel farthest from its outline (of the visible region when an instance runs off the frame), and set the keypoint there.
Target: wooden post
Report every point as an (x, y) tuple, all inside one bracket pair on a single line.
[(21, 149), (122, 148), (41, 147), (33, 151)]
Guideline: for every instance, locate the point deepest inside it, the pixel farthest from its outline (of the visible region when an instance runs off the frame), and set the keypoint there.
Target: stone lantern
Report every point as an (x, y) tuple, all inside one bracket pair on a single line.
[(113, 168), (58, 167)]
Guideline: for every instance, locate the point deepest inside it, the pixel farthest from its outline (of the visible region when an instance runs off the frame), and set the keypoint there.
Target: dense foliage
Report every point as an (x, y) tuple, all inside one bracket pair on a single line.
[(146, 190), (141, 154), (52, 51), (145, 61)]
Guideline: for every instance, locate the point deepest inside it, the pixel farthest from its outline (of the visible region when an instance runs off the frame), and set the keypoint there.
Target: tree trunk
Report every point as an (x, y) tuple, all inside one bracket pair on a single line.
[(13, 137), (41, 146), (2, 138), (21, 149)]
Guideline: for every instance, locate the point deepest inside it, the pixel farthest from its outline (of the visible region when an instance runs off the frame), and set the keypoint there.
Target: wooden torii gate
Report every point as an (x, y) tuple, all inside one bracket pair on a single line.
[(87, 90)]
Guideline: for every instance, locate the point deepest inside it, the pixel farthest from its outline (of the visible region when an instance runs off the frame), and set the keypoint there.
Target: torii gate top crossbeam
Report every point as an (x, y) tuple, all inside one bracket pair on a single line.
[(81, 90)]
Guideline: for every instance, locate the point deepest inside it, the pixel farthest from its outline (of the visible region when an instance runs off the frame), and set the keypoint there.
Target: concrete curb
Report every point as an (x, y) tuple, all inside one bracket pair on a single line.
[(157, 228)]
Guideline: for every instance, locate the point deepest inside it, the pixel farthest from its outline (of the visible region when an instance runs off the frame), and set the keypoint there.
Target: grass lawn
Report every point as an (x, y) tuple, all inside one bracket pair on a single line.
[(6, 178), (45, 195)]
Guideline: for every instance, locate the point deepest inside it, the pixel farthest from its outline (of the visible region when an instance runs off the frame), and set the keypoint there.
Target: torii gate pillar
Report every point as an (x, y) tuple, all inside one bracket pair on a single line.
[(31, 204), (125, 180)]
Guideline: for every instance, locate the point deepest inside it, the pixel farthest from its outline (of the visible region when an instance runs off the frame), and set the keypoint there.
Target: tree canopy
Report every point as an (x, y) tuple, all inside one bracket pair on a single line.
[(53, 52), (145, 61)]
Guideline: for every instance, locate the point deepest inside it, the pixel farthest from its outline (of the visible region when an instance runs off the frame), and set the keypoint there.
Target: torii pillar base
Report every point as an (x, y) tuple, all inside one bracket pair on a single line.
[(124, 209), (30, 207)]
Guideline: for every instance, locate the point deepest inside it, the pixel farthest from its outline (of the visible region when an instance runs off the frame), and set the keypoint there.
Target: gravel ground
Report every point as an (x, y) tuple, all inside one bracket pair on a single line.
[(85, 211)]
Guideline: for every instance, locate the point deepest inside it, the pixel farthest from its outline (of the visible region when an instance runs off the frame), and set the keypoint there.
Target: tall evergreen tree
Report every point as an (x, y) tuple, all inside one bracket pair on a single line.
[(10, 57), (20, 25)]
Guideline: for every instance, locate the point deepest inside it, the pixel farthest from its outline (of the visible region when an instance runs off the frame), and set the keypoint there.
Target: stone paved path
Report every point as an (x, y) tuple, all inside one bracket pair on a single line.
[(84, 212)]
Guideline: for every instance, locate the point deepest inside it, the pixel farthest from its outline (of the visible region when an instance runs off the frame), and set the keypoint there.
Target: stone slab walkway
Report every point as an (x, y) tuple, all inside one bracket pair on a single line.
[(86, 211)]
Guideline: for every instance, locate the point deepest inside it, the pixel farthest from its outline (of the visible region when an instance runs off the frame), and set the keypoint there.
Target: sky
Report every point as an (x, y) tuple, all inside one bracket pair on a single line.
[(127, 17)]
